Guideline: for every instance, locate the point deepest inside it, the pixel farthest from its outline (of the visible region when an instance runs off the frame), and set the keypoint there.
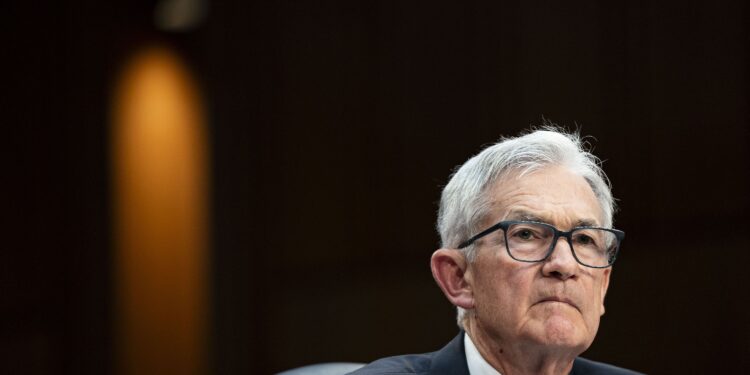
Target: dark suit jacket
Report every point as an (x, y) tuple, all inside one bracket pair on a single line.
[(451, 359)]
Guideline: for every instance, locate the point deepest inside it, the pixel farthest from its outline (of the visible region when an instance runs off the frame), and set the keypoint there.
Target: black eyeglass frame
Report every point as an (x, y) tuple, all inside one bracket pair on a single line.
[(504, 225)]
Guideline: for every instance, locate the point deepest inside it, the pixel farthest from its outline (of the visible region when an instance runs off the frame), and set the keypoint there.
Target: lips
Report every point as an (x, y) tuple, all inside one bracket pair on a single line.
[(564, 300)]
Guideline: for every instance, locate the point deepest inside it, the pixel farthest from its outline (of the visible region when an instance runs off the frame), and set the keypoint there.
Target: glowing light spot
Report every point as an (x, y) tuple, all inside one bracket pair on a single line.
[(160, 172)]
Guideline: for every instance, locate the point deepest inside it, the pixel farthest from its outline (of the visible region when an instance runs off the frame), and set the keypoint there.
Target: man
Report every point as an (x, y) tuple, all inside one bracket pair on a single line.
[(526, 257)]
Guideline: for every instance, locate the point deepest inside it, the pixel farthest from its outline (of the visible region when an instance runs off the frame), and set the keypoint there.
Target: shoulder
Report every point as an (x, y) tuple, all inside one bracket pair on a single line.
[(583, 366), (402, 364), (451, 359)]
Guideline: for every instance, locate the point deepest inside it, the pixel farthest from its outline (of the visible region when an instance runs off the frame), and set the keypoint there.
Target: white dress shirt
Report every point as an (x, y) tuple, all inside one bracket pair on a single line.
[(475, 361)]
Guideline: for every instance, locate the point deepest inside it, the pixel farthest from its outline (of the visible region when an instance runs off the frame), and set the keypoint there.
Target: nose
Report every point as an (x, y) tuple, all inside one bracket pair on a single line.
[(561, 264)]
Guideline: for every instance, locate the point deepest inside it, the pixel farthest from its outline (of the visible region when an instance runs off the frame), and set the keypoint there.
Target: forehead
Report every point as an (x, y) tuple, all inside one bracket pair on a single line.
[(552, 194)]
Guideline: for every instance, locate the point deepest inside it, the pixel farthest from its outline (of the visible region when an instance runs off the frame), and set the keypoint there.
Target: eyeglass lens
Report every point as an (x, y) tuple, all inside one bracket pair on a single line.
[(533, 241)]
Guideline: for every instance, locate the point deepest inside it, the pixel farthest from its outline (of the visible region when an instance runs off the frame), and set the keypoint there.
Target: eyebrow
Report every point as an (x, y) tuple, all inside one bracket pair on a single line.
[(528, 216)]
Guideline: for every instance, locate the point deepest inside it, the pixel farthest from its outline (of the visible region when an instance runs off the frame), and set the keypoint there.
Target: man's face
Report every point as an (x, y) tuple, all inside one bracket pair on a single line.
[(556, 303)]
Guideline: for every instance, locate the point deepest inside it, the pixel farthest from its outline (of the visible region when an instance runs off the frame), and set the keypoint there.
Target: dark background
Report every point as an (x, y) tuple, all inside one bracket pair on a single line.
[(333, 127)]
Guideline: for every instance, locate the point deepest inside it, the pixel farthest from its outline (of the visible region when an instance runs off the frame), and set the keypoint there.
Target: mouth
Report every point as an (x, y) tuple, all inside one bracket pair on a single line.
[(563, 300)]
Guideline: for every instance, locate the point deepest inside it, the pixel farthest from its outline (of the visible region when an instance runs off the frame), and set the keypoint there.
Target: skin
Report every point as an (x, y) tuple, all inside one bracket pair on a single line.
[(529, 318)]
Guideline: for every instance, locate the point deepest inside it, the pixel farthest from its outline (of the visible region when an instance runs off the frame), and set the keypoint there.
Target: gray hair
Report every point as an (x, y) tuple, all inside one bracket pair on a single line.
[(465, 202)]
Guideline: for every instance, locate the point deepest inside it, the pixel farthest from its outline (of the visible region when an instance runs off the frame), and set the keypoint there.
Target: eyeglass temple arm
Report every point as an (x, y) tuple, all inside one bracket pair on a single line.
[(480, 235)]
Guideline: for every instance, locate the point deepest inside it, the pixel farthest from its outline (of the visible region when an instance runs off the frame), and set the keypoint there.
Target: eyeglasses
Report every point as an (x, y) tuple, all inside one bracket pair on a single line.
[(530, 241)]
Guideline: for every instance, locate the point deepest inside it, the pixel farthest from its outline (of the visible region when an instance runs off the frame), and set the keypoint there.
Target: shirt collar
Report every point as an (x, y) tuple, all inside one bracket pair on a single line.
[(475, 361)]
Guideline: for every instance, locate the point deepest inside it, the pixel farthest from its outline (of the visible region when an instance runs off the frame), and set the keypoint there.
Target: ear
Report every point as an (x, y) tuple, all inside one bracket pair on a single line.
[(605, 286), (450, 270)]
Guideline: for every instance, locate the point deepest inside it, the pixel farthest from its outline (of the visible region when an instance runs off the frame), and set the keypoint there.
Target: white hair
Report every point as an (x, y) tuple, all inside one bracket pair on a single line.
[(465, 202)]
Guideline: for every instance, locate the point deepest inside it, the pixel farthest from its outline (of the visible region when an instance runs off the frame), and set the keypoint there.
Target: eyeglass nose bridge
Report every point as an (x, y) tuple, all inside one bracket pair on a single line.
[(555, 238)]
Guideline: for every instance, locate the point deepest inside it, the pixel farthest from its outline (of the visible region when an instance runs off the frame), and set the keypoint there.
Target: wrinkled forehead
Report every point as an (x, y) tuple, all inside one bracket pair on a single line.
[(552, 194)]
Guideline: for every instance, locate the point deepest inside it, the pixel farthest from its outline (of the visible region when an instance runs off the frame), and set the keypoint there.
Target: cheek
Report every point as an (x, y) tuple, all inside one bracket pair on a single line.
[(599, 291), (501, 291), (595, 306)]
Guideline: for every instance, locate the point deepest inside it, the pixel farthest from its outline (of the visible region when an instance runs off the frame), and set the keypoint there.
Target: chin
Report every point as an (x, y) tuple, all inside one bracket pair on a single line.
[(563, 332)]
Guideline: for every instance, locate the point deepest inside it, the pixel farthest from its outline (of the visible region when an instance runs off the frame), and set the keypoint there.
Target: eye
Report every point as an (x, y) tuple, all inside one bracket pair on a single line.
[(528, 232), (588, 237), (525, 234), (584, 239)]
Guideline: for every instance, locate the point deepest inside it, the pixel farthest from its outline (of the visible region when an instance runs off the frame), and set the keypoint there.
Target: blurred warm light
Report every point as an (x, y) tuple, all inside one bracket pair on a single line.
[(160, 218)]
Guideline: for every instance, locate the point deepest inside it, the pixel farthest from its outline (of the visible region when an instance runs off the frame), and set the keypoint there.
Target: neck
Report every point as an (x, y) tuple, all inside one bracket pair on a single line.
[(520, 358)]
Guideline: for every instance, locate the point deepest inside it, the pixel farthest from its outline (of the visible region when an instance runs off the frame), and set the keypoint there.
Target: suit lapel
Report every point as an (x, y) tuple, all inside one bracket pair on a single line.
[(451, 359)]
